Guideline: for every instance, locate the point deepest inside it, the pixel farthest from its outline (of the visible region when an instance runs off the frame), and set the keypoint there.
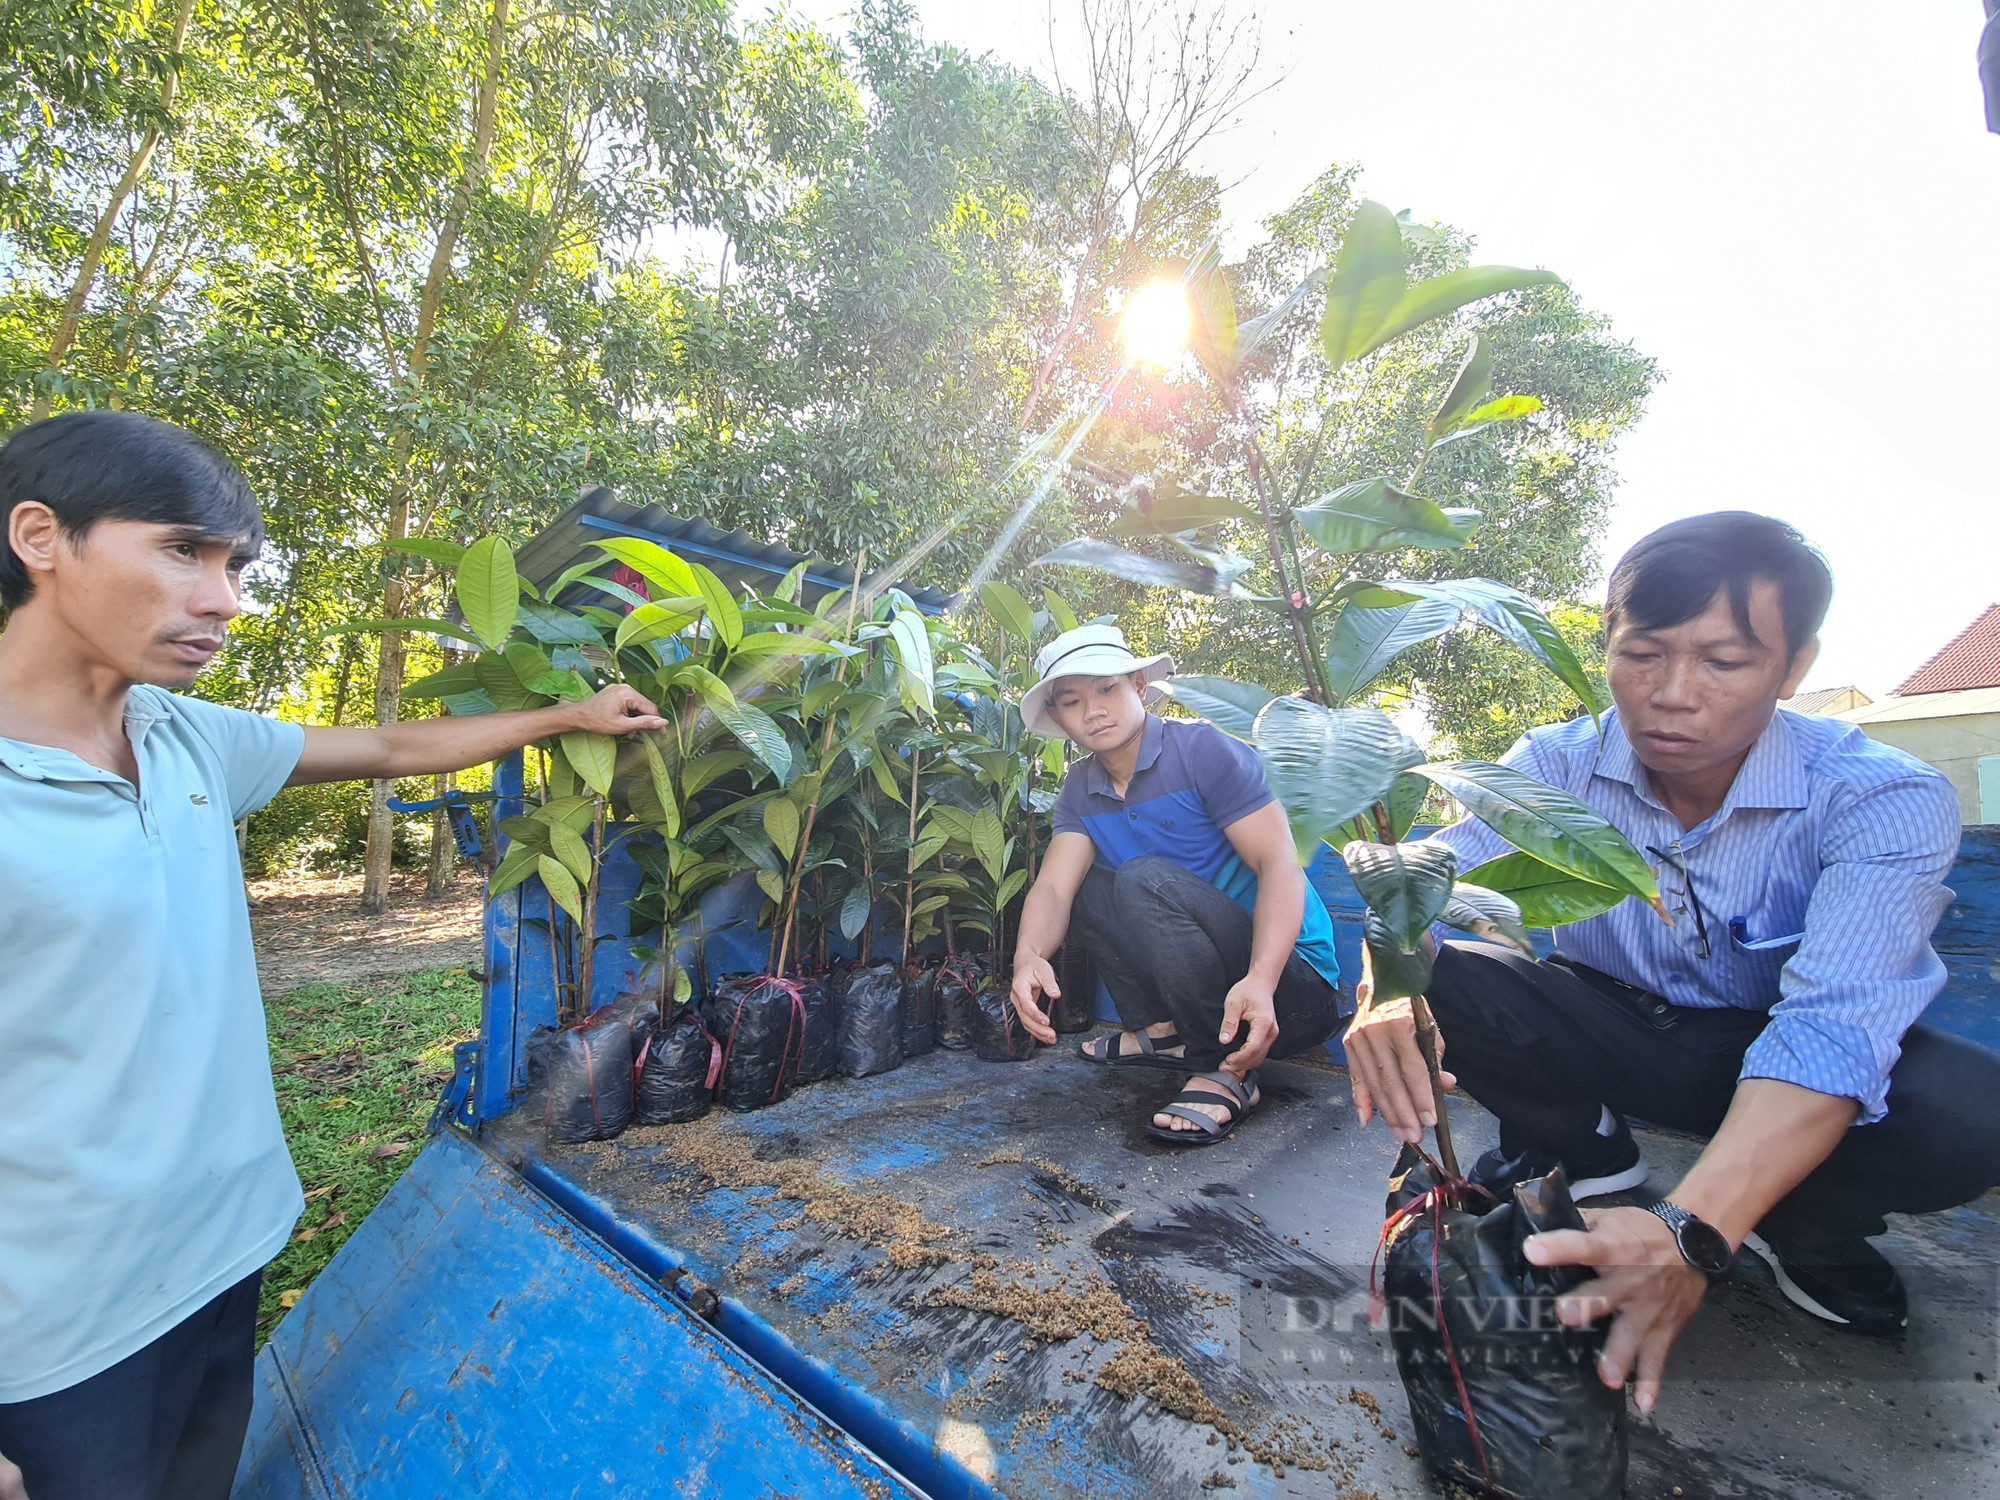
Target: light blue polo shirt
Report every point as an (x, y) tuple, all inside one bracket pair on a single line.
[(142, 1167)]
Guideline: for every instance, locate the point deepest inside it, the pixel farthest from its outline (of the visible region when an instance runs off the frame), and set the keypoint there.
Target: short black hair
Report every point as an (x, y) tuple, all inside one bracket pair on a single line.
[(91, 466), (1675, 573)]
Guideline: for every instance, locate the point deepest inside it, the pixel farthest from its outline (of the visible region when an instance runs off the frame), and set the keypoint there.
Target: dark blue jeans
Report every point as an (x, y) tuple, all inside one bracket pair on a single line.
[(166, 1423), (1169, 946)]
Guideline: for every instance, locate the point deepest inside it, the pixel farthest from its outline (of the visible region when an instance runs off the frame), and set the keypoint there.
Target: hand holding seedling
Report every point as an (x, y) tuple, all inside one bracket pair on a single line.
[(1033, 978)]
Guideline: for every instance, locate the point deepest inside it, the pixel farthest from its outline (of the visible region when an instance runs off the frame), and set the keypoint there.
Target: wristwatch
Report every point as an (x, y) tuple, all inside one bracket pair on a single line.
[(1701, 1243)]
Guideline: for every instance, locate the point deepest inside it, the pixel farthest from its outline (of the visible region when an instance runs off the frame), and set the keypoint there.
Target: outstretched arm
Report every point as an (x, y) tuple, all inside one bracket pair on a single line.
[(428, 746)]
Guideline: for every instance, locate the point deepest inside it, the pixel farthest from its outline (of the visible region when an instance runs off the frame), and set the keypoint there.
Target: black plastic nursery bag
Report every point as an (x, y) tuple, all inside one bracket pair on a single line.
[(997, 1032), (958, 980), (822, 1053), (678, 1072), (761, 1023), (584, 1075), (1504, 1398), (871, 1022), (920, 1008), (1076, 974)]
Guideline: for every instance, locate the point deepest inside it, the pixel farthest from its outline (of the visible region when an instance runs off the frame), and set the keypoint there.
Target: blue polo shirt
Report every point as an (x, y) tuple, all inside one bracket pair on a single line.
[(1192, 781), (142, 1167)]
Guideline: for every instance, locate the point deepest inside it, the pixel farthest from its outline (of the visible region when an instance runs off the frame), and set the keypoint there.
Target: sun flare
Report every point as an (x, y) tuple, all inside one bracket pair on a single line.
[(1156, 323)]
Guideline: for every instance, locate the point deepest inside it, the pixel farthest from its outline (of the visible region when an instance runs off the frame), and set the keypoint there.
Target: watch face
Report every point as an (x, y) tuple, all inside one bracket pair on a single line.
[(1705, 1248)]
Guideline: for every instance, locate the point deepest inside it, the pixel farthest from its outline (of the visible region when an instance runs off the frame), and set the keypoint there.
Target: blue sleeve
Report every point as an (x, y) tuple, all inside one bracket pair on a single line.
[(1067, 815), (1227, 776), (1865, 969), (257, 755)]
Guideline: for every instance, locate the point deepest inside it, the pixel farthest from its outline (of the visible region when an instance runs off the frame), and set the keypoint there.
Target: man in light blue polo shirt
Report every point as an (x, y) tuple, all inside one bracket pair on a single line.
[(1175, 868), (144, 1180)]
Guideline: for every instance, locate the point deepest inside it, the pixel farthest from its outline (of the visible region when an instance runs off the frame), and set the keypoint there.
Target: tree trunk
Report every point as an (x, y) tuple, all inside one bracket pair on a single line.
[(71, 321), (444, 850)]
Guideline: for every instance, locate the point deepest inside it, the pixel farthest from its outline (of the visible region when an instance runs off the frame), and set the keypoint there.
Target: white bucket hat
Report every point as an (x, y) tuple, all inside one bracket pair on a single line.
[(1087, 651)]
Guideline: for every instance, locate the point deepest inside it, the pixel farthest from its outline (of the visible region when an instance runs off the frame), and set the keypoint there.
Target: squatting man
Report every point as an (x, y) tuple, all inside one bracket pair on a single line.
[(1803, 865)]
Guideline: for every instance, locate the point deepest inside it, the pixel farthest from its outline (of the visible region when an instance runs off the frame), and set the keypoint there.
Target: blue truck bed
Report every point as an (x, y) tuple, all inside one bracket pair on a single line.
[(964, 1279)]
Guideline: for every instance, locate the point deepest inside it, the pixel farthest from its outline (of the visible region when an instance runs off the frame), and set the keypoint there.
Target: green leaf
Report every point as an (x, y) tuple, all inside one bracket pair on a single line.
[(652, 622), (1397, 975), (574, 813), (988, 838), (787, 591), (1327, 764), (1365, 641), (653, 563), (1169, 508), (528, 662), (1009, 610), (1253, 331), (1488, 916), (1372, 515), (1546, 897), (785, 643), (1468, 389), (489, 590), (569, 848), (404, 627), (1011, 887), (781, 826), (1505, 409), (566, 685), (558, 627), (754, 729), (1446, 294), (926, 849), (772, 885), (1546, 822), (561, 886), (1368, 281), (1230, 706), (1405, 885), (459, 677), (594, 758), (1060, 612), (911, 640), (854, 913), (698, 771), (1405, 801), (1213, 335), (663, 785), (515, 866), (498, 679), (885, 779), (723, 616), (1136, 567), (1511, 614), (431, 549)]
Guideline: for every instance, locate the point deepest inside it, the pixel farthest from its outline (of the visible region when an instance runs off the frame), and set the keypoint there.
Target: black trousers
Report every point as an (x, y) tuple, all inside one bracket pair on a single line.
[(1544, 1047), (1169, 946), (166, 1423)]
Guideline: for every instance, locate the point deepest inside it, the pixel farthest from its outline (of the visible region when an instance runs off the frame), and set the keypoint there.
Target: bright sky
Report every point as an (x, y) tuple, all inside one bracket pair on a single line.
[(1793, 206)]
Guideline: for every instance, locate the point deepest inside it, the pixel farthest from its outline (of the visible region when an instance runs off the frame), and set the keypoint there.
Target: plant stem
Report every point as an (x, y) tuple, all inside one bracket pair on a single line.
[(910, 881), (1274, 536), (587, 966), (1420, 1010)]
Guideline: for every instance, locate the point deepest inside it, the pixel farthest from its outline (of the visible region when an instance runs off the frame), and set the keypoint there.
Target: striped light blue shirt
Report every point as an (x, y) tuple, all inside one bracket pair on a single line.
[(1820, 879)]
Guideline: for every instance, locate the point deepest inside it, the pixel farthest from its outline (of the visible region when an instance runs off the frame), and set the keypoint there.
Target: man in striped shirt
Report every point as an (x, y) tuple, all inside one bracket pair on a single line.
[(1803, 865)]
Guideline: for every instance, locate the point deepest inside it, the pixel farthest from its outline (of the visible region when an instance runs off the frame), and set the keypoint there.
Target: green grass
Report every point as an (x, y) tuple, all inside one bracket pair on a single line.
[(358, 1069)]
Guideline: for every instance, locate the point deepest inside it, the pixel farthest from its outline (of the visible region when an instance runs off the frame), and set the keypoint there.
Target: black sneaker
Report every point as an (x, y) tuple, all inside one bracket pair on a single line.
[(1603, 1165), (1843, 1280)]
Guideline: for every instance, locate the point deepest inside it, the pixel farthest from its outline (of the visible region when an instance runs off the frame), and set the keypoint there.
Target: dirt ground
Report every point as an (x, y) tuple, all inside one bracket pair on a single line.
[(308, 929)]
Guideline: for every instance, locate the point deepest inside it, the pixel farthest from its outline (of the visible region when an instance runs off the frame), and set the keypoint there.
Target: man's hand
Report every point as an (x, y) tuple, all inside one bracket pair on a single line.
[(1033, 978), (616, 710), (12, 1486), (1248, 1002), (1642, 1283), (1385, 1067)]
